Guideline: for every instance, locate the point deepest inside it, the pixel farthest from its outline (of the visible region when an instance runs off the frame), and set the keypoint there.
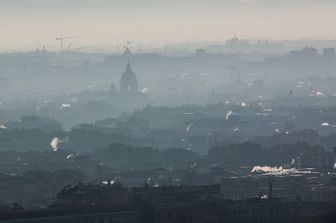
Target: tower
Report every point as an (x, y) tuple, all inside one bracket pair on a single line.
[(129, 81)]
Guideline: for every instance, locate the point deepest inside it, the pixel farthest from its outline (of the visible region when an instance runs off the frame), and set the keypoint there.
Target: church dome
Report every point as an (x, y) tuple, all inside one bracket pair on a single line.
[(129, 81)]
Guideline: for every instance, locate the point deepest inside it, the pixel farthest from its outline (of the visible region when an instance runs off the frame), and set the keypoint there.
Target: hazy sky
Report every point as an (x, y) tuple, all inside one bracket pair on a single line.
[(33, 23)]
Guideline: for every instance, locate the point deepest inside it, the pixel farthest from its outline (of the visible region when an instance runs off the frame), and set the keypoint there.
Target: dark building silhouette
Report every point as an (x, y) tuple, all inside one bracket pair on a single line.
[(113, 88), (111, 193), (327, 65), (129, 81), (171, 204), (328, 54)]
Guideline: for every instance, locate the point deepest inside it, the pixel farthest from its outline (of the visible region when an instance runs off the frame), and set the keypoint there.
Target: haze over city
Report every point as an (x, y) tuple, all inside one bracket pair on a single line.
[(180, 111), (104, 23)]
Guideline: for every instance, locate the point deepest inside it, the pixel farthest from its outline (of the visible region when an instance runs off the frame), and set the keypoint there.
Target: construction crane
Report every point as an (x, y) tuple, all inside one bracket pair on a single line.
[(61, 38)]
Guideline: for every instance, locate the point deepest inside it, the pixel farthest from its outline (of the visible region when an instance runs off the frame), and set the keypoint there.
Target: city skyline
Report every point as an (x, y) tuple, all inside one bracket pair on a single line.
[(100, 24)]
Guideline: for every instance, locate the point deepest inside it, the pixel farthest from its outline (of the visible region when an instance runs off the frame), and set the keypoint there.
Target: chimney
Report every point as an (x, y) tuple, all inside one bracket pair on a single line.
[(270, 192)]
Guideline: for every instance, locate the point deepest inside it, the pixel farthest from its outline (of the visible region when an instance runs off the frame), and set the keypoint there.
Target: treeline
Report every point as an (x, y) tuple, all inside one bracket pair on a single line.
[(36, 133), (119, 156), (309, 136), (116, 156), (251, 154), (122, 156)]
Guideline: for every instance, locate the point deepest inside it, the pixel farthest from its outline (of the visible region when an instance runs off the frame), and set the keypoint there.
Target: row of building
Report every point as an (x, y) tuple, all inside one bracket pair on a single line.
[(85, 203)]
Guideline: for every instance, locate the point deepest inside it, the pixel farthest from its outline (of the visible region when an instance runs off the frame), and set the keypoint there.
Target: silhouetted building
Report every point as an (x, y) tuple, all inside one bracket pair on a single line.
[(178, 205), (305, 55), (200, 52), (304, 61), (129, 81), (83, 194), (176, 194), (113, 88), (328, 54), (319, 159), (303, 187), (328, 57)]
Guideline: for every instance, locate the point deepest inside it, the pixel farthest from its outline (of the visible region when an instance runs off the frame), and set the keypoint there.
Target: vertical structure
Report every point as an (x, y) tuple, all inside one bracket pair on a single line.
[(129, 81)]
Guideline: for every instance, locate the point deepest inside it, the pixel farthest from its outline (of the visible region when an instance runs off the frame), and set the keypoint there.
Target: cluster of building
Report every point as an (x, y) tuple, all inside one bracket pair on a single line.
[(111, 202), (294, 187)]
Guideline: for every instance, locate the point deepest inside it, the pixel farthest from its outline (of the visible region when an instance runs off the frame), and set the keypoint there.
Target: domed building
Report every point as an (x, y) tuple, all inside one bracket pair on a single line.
[(129, 81)]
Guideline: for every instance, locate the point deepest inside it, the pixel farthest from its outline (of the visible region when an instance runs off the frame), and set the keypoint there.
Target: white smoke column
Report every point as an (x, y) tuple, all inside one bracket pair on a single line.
[(243, 104), (65, 106), (228, 115), (70, 156), (56, 142), (144, 90), (293, 161), (193, 166), (266, 169), (278, 170), (189, 126)]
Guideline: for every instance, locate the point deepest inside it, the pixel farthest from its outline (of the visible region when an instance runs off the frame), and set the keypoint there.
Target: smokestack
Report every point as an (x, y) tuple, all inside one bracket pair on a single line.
[(270, 193)]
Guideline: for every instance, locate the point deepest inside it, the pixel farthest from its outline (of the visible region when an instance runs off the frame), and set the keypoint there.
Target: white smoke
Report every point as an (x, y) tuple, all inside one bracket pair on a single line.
[(228, 114), (108, 182), (266, 169), (277, 170), (189, 126), (293, 161), (144, 90), (262, 114), (70, 156), (65, 106), (243, 104), (193, 166), (56, 143)]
